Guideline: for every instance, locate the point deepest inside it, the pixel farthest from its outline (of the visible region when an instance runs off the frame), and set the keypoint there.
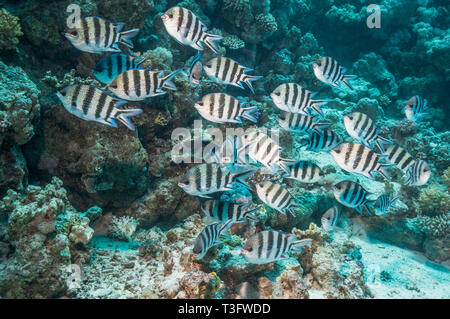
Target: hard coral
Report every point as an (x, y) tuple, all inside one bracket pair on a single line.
[(9, 30), (434, 200)]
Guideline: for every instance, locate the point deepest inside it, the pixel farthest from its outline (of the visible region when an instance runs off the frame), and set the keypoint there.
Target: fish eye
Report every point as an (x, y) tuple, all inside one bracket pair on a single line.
[(200, 103), (170, 16), (350, 117), (208, 65), (319, 63), (114, 86), (338, 151), (63, 93), (278, 94), (338, 187)]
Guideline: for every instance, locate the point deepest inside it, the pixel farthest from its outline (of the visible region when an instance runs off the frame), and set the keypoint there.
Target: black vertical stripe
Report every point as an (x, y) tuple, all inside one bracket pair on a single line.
[(188, 24), (111, 106), (303, 169), (85, 28), (88, 99), (261, 241), (100, 104), (279, 246), (407, 162), (359, 154), (73, 102), (126, 84), (97, 31), (270, 244), (294, 98), (147, 82), (180, 18), (208, 176), (137, 82), (120, 64), (348, 153), (108, 27), (226, 68), (285, 199), (286, 96), (231, 107), (277, 194), (233, 72), (155, 84), (367, 161), (196, 27), (219, 179), (219, 62)]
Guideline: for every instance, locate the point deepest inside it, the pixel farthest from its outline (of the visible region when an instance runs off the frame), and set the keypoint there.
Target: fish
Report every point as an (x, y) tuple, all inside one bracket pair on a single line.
[(361, 127), (291, 97), (227, 71), (384, 203), (264, 150), (209, 237), (223, 108), (396, 155), (353, 195), (187, 29), (418, 173), (304, 171), (329, 71), (329, 218), (98, 35), (93, 104), (299, 123), (139, 84), (223, 211), (357, 158), (271, 245), (323, 141), (108, 68), (195, 72), (415, 108), (205, 179), (277, 197)]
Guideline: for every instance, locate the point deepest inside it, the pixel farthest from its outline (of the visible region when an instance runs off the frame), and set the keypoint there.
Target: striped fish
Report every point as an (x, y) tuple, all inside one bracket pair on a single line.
[(139, 84), (300, 123), (353, 195), (205, 179), (271, 245), (185, 27), (291, 97), (304, 171), (277, 197), (418, 173), (394, 154), (329, 218), (227, 71), (263, 149), (223, 108), (93, 104), (223, 211), (195, 72), (323, 141), (363, 128), (97, 35), (415, 108), (357, 158), (209, 237), (108, 68), (383, 204), (329, 71)]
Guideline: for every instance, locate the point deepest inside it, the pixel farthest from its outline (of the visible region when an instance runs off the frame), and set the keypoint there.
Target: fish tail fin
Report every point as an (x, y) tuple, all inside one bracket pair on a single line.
[(369, 206), (285, 163), (381, 141), (298, 244), (345, 80), (316, 106), (382, 171), (250, 213), (225, 226), (167, 80), (249, 79), (251, 113), (209, 40), (124, 115), (320, 125), (126, 36)]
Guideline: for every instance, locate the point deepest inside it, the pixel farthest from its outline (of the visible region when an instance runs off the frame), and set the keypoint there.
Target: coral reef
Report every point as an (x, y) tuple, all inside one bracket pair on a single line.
[(9, 30)]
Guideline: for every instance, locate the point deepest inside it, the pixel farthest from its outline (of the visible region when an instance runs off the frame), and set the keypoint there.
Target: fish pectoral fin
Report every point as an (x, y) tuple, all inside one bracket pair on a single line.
[(204, 196)]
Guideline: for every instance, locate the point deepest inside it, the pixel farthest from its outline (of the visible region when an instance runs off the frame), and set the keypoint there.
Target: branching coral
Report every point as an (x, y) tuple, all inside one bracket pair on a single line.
[(9, 30), (437, 226), (266, 23), (233, 42)]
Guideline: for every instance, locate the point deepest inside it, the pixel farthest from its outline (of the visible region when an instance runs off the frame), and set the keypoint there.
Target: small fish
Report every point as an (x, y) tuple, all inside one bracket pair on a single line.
[(227, 71), (205, 179), (185, 27), (108, 68), (329, 218), (223, 211), (93, 104), (223, 108), (97, 35), (263, 149), (304, 171), (353, 195), (384, 203), (323, 141), (415, 108), (396, 155), (363, 128), (195, 72), (329, 71), (291, 97), (271, 245), (277, 197), (418, 173), (300, 123), (209, 237), (139, 84), (357, 158)]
